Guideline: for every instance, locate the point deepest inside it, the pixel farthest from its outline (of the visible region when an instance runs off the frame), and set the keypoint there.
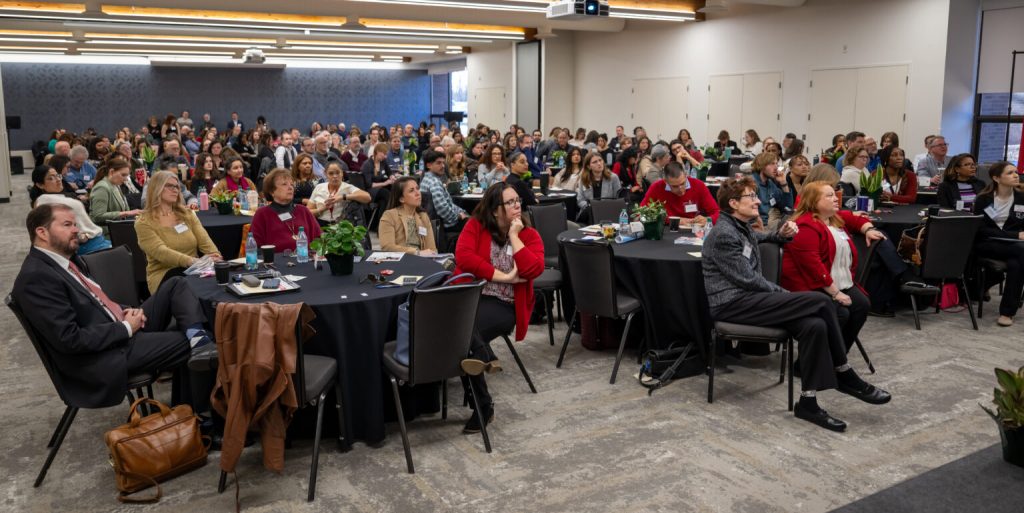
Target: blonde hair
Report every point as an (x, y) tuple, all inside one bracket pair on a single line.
[(154, 188), (809, 198), (822, 173), (455, 172)]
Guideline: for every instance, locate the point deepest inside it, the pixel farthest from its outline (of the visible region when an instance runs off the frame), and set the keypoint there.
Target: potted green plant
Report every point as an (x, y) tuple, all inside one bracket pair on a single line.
[(223, 200), (711, 153), (871, 184), (652, 215), (558, 159), (339, 243), (1009, 414), (702, 170)]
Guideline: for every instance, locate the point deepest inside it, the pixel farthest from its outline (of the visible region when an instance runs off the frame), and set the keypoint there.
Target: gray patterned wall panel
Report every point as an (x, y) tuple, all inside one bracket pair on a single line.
[(107, 97)]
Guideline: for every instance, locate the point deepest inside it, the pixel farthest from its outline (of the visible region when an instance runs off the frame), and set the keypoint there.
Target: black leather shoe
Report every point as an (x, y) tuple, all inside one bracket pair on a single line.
[(884, 312), (869, 394), (473, 424), (203, 358), (820, 417)]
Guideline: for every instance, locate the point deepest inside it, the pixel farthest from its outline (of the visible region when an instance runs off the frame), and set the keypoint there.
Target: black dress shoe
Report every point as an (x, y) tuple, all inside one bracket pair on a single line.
[(203, 358), (820, 417), (869, 393), (473, 424), (884, 312)]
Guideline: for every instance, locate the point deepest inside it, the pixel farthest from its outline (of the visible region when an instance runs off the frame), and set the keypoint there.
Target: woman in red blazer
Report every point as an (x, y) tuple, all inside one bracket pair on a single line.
[(497, 245), (822, 256)]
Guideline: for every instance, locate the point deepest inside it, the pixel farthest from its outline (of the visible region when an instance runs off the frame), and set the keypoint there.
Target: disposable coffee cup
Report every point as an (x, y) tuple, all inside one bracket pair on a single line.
[(223, 272), (673, 223), (268, 253)]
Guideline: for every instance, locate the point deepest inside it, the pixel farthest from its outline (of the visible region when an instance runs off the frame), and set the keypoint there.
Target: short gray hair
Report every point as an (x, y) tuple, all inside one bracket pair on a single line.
[(659, 151), (78, 149)]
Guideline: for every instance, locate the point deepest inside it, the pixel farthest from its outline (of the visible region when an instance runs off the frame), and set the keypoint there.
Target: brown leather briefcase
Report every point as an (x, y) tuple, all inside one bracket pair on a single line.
[(151, 449)]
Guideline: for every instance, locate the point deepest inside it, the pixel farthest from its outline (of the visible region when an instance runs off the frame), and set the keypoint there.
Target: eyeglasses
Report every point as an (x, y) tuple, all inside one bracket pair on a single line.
[(940, 145), (512, 202), (752, 196), (373, 279), (53, 178), (172, 186)]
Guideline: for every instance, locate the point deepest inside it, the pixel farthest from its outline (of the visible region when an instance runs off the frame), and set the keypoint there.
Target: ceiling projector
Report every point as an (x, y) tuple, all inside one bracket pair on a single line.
[(577, 9), (254, 56)]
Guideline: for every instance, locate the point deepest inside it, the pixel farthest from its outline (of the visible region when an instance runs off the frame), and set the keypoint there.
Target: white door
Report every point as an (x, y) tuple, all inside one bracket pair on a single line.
[(674, 98), (645, 105), (881, 100), (833, 100), (725, 106), (762, 105), (489, 107)]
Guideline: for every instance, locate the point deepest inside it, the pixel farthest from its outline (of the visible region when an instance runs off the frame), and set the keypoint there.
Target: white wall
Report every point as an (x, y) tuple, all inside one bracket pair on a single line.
[(488, 69), (959, 84), (1001, 34), (558, 82), (822, 34)]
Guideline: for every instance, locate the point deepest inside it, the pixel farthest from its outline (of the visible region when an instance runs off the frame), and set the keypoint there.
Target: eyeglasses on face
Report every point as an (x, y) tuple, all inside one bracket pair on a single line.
[(172, 186), (512, 202), (53, 178), (752, 196)]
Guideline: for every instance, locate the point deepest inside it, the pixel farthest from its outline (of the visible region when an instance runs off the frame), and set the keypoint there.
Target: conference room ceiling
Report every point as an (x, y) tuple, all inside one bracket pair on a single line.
[(394, 31)]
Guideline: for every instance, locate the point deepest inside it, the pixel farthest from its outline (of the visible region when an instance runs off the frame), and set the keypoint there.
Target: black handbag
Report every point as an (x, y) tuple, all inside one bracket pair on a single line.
[(658, 367)]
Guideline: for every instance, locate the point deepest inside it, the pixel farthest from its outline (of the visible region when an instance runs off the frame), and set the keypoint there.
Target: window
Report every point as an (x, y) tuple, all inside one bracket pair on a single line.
[(990, 123), (460, 95)]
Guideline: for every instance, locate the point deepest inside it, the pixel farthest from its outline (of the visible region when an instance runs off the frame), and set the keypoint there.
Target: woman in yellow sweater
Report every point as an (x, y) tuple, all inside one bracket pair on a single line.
[(169, 233)]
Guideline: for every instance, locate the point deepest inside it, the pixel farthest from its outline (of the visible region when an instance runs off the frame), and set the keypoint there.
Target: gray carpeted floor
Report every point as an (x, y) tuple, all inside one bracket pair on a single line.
[(579, 445)]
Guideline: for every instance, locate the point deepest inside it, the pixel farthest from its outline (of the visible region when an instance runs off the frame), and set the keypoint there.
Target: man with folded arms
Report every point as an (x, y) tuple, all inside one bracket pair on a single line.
[(94, 342), (738, 293)]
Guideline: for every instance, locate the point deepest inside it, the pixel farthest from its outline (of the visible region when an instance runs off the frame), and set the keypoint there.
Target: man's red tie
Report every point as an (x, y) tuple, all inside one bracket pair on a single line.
[(98, 292)]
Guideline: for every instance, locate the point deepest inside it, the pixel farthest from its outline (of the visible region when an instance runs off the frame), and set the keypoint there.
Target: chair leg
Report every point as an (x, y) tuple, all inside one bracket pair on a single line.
[(550, 315), (315, 463), (568, 333), (62, 431), (789, 364), (711, 367), (223, 482), (622, 346), (864, 354), (343, 445), (483, 422), (967, 301), (444, 400), (913, 308), (938, 300), (56, 430), (558, 304), (401, 425), (519, 362), (981, 289), (782, 364)]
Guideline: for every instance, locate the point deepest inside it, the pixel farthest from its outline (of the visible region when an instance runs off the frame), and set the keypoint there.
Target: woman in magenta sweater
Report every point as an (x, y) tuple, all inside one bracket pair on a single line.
[(498, 246), (279, 222)]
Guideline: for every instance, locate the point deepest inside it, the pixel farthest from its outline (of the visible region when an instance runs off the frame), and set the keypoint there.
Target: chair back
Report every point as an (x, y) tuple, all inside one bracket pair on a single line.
[(549, 221), (427, 204), (356, 179), (607, 209), (866, 257), (436, 349), (122, 233), (593, 276), (37, 342), (948, 242), (112, 270), (771, 261)]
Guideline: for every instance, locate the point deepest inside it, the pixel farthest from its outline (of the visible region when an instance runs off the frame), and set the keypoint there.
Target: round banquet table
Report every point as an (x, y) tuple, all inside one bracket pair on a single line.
[(225, 231), (353, 321), (893, 220), (668, 281)]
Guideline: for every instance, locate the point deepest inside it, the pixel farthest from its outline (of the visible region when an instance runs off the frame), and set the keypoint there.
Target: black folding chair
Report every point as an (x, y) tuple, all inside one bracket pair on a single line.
[(136, 383), (314, 376), (947, 247), (122, 233), (596, 291), (112, 269), (436, 350), (606, 209), (771, 269)]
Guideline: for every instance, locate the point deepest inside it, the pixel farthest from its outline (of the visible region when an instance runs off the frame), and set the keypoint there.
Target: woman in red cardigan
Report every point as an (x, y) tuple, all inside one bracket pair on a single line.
[(822, 256), (278, 223), (497, 245), (898, 186)]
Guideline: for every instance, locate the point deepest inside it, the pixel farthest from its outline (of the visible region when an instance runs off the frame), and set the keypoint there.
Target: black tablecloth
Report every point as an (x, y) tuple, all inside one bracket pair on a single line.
[(353, 330), (226, 231), (893, 220), (668, 281)]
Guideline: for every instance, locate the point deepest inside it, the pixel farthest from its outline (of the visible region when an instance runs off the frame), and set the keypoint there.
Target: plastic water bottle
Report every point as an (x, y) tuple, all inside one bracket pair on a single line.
[(302, 246), (465, 184), (707, 229), (254, 199), (251, 258), (243, 200), (204, 199), (624, 223)]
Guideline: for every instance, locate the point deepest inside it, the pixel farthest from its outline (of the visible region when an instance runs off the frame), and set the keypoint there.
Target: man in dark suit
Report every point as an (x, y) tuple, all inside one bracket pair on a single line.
[(94, 342)]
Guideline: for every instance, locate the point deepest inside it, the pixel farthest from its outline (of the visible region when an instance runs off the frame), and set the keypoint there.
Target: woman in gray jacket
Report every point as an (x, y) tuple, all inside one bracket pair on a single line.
[(596, 183)]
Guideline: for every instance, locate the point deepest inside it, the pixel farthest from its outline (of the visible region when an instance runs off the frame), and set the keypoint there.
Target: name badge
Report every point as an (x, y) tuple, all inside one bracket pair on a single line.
[(422, 231), (285, 217), (747, 250), (508, 249), (991, 212), (690, 208), (180, 228), (959, 204), (771, 202), (1018, 208)]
